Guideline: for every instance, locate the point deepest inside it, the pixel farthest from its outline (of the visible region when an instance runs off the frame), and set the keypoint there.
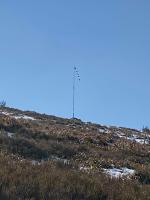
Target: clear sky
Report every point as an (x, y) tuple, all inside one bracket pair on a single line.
[(109, 41)]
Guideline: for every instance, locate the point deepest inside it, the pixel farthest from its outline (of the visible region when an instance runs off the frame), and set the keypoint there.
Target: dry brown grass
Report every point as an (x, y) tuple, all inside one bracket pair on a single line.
[(82, 145)]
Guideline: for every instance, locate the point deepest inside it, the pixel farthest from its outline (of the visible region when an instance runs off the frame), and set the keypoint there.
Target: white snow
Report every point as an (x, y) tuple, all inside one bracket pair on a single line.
[(136, 138), (65, 161), (6, 113), (104, 130), (142, 141), (17, 116), (34, 162), (24, 117), (120, 134), (10, 134), (83, 168), (118, 173), (101, 130)]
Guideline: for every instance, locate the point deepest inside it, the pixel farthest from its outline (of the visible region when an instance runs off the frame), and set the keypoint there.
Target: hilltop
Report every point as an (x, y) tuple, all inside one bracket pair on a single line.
[(48, 157)]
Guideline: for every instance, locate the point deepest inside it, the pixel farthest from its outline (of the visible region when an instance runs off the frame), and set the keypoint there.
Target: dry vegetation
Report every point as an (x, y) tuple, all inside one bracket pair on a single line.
[(62, 159)]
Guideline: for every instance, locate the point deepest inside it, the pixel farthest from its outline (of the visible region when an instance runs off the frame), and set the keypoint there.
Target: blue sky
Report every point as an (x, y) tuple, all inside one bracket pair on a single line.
[(109, 41)]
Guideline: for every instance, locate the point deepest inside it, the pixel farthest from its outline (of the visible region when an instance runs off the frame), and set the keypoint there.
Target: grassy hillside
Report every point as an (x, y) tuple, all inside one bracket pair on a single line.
[(46, 157)]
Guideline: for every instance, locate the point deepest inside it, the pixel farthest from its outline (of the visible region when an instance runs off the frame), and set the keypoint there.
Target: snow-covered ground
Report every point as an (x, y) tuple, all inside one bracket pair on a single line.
[(35, 162), (10, 134), (20, 116), (6, 113), (139, 140), (24, 117), (118, 173), (65, 161), (85, 169), (136, 138), (104, 130)]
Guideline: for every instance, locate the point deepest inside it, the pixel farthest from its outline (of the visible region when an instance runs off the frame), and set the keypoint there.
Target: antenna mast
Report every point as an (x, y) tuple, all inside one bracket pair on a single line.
[(74, 80), (75, 76)]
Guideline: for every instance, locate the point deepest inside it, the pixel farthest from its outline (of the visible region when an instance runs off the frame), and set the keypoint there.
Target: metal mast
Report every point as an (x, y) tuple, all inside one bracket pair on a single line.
[(75, 76), (74, 80)]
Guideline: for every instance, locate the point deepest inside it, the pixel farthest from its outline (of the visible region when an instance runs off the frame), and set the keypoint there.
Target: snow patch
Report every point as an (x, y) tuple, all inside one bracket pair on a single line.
[(85, 169), (24, 117), (134, 138), (64, 161), (119, 173), (10, 134), (104, 130), (17, 116), (101, 130), (6, 113), (35, 162)]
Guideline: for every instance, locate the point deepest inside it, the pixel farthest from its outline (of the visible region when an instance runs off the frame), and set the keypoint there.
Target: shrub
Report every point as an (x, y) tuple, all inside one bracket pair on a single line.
[(2, 104), (144, 176)]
